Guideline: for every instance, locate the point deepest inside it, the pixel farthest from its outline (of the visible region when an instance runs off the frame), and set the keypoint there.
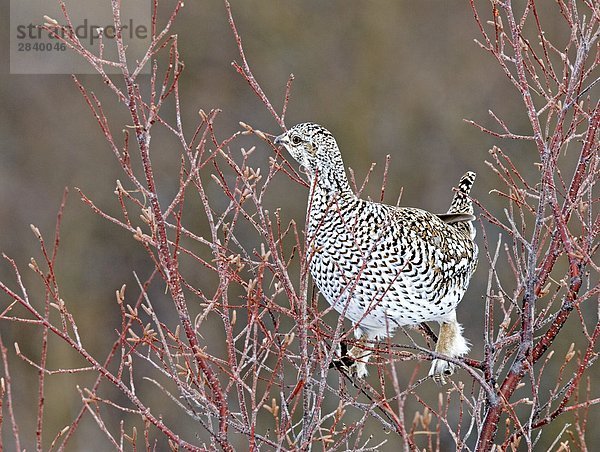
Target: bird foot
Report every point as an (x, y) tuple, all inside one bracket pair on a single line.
[(353, 360), (359, 370), (441, 369)]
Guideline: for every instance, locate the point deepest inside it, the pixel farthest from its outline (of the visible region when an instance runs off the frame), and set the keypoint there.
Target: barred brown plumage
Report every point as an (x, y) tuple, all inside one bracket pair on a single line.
[(383, 266)]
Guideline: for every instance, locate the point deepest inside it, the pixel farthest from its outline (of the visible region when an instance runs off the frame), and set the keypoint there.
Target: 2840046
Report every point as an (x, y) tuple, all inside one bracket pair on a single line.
[(41, 46)]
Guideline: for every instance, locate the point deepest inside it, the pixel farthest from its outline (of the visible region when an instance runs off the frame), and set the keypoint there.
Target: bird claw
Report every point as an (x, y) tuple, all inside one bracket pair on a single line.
[(353, 366), (349, 361), (440, 369)]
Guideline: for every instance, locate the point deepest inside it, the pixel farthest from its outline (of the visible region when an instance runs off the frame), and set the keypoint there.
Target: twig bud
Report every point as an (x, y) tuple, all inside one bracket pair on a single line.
[(36, 231), (33, 265), (50, 22), (570, 353), (289, 338)]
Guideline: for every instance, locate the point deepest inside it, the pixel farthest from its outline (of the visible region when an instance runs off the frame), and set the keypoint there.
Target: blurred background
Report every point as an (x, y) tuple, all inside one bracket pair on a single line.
[(387, 77)]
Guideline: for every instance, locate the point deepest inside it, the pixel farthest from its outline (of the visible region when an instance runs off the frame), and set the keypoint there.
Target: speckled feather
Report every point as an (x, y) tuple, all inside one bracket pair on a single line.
[(381, 266)]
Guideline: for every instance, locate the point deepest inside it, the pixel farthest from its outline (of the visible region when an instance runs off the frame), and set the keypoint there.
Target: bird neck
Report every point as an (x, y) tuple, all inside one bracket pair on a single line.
[(330, 183), (329, 191)]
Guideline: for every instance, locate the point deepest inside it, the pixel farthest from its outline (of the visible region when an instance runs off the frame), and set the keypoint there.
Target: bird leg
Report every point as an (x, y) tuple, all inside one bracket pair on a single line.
[(450, 343)]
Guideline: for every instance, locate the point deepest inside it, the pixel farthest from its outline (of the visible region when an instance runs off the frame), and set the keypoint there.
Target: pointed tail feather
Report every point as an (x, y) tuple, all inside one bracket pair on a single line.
[(461, 203)]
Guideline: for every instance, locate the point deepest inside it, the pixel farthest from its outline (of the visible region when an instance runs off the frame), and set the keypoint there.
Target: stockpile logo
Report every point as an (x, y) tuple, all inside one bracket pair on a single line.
[(34, 50)]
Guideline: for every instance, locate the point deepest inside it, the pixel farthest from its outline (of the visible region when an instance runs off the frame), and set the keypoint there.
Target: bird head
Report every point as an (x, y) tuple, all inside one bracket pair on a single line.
[(314, 147)]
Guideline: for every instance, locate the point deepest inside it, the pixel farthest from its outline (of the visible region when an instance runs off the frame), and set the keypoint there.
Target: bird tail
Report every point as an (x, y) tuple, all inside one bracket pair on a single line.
[(461, 203), (461, 207)]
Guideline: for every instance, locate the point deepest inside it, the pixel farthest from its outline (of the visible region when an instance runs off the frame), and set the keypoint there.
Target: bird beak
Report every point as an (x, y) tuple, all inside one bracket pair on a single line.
[(280, 140)]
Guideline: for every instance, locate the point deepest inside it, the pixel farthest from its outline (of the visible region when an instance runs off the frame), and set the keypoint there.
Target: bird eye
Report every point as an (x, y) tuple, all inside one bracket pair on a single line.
[(296, 140)]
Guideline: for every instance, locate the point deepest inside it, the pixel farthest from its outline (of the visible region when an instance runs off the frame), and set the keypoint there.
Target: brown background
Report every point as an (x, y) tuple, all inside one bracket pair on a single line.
[(385, 77)]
